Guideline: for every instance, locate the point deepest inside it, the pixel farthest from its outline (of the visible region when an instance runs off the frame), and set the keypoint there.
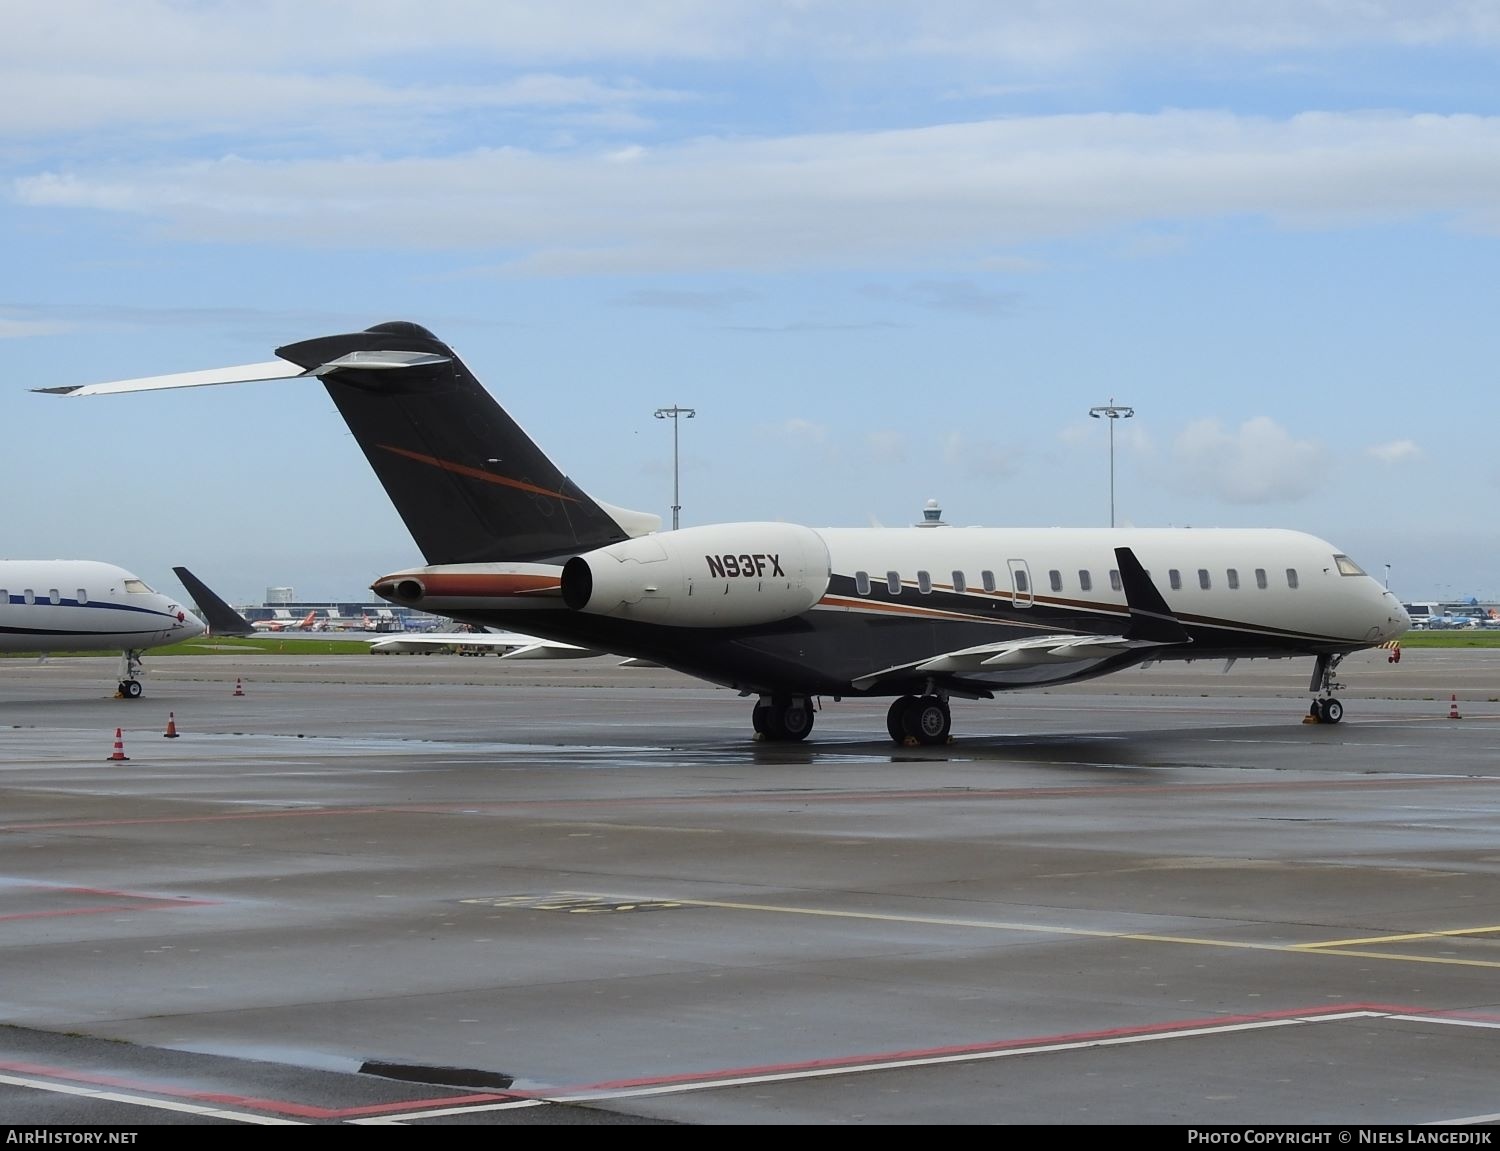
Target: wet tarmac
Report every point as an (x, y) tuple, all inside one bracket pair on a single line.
[(439, 890)]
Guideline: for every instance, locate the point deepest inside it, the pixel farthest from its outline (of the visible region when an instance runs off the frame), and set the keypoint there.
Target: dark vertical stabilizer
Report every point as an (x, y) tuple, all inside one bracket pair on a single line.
[(220, 617), (470, 485)]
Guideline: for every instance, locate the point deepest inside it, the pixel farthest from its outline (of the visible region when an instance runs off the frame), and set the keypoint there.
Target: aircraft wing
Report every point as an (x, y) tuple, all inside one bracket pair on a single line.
[(1030, 660), (509, 645)]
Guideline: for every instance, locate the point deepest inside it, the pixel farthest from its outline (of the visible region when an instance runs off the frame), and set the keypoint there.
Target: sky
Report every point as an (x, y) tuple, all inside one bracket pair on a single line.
[(886, 252)]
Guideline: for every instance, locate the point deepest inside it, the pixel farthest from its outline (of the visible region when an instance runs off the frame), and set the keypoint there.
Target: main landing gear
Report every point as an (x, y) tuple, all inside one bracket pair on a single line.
[(782, 718), (130, 667), (1325, 709), (919, 719)]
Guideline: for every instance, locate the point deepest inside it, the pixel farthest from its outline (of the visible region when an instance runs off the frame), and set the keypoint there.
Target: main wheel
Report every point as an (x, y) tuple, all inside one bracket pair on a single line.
[(895, 718), (928, 720), (796, 720)]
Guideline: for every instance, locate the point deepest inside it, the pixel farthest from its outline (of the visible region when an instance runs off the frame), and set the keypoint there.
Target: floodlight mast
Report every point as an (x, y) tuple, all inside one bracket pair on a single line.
[(672, 414), (1112, 412)]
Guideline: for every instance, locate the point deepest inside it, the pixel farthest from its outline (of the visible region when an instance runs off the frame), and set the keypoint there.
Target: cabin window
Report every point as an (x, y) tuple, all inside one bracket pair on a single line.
[(1054, 577), (1347, 566), (1114, 579), (862, 583), (1023, 585), (893, 582), (1203, 579), (1233, 578), (1085, 581), (54, 595), (1174, 577), (28, 596), (83, 597), (959, 584), (1260, 579), (924, 583), (989, 579), (1291, 577), (4, 596)]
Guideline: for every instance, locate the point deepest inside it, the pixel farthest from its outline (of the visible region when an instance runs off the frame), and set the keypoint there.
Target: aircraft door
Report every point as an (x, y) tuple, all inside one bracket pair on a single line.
[(1020, 583)]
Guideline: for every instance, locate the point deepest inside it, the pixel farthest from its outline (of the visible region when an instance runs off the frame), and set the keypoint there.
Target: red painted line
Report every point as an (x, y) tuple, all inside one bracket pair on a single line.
[(980, 1049), (274, 1106)]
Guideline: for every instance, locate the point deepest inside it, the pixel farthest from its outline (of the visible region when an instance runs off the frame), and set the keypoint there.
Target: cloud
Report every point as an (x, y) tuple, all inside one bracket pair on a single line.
[(1259, 463), (982, 458), (961, 194), (1395, 452), (961, 296)]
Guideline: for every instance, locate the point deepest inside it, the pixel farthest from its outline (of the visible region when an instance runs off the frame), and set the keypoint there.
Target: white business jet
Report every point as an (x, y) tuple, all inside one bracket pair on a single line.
[(83, 605)]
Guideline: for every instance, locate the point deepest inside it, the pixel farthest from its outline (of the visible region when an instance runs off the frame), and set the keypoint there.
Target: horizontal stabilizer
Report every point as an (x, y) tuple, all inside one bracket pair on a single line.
[(257, 373), (244, 374)]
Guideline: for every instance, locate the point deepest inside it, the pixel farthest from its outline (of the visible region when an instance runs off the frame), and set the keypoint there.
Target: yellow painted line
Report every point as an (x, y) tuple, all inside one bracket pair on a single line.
[(1404, 938), (1049, 929)]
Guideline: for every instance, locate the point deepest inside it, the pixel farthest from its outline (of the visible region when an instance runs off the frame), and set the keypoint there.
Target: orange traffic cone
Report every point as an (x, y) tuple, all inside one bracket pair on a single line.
[(1453, 707), (239, 688), (119, 752), (171, 732)]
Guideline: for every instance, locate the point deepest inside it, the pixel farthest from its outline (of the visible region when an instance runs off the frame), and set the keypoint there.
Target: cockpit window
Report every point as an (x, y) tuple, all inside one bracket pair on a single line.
[(1347, 566), (137, 586)]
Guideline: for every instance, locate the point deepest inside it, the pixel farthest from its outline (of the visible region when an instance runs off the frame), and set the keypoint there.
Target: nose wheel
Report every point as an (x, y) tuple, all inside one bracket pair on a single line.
[(1325, 709)]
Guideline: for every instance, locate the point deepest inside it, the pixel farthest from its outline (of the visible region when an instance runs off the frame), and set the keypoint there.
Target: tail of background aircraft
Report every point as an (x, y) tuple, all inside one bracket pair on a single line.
[(220, 617), (470, 485)]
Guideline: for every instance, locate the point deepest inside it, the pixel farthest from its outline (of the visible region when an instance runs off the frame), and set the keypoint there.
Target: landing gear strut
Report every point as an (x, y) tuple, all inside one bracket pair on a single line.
[(1325, 709), (130, 667), (782, 718), (919, 719)]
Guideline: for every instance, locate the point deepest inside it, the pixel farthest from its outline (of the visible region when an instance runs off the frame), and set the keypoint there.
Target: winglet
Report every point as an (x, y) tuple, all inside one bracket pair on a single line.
[(221, 618), (1150, 617)]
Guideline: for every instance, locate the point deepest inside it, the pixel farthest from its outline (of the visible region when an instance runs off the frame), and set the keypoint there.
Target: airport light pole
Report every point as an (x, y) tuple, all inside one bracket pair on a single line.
[(1112, 412), (672, 414)]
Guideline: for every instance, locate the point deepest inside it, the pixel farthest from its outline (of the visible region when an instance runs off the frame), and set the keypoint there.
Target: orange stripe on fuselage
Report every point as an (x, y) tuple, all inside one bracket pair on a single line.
[(476, 473)]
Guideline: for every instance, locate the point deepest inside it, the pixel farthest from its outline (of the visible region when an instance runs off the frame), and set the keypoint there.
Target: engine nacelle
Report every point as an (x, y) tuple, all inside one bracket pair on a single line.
[(722, 575)]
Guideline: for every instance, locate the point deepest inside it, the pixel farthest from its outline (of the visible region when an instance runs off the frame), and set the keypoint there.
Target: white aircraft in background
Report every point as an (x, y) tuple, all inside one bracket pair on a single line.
[(793, 614), (84, 605)]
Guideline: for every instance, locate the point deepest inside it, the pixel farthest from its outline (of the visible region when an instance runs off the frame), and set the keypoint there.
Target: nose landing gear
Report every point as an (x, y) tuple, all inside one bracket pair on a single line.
[(1325, 709)]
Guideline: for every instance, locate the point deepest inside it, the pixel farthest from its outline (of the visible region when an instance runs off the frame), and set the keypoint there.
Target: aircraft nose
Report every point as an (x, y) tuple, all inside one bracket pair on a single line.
[(189, 626), (1397, 622)]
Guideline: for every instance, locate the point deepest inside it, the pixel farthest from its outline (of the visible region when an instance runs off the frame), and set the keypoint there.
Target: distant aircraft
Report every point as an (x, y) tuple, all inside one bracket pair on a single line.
[(221, 618), (306, 623), (84, 605), (505, 644), (792, 614)]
